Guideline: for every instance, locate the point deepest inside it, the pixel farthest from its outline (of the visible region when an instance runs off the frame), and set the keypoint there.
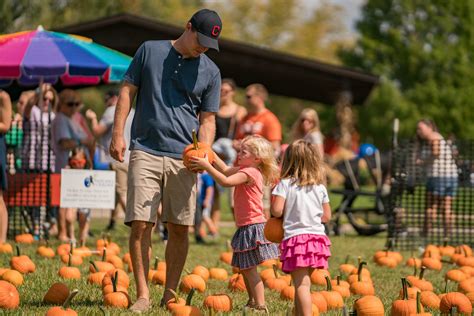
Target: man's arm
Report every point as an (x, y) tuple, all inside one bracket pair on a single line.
[(207, 129), (124, 104), (98, 129)]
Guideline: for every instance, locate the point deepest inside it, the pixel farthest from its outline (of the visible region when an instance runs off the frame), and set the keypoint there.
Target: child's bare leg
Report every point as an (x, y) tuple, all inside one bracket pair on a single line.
[(430, 213), (62, 233), (448, 215), (83, 228), (210, 225), (251, 301), (70, 219), (302, 281), (255, 286)]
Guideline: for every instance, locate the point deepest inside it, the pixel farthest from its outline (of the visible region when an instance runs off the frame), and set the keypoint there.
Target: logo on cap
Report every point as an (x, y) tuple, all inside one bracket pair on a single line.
[(215, 30)]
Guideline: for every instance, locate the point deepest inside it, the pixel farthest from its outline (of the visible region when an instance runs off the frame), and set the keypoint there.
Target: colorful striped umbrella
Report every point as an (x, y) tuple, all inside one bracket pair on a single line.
[(34, 56)]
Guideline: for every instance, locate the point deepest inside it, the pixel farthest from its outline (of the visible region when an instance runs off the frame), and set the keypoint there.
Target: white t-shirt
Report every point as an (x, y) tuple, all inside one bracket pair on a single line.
[(303, 208)]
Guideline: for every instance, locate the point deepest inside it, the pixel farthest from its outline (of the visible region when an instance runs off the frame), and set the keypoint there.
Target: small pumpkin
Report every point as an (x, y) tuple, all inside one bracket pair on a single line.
[(116, 298), (64, 310), (6, 248), (226, 256), (455, 300), (218, 274), (273, 230), (157, 266), (202, 271), (237, 283), (276, 283), (9, 297), (123, 279), (432, 262), (342, 288), (268, 263), (69, 272), (57, 294), (45, 251), (102, 265), (333, 298), (455, 275), (187, 310), (288, 293), (369, 305), (361, 287), (318, 299), (159, 277), (13, 276), (413, 262), (22, 263), (197, 149), (175, 301), (419, 282), (75, 260), (192, 281), (24, 239), (346, 268), (404, 306), (419, 307), (218, 302), (318, 276), (63, 249), (95, 277), (430, 299)]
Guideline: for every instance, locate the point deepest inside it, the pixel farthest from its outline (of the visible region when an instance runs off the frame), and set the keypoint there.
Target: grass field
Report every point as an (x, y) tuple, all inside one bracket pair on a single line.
[(89, 300)]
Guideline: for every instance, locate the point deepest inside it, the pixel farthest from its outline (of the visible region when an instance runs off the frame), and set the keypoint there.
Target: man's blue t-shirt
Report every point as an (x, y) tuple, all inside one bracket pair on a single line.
[(172, 91)]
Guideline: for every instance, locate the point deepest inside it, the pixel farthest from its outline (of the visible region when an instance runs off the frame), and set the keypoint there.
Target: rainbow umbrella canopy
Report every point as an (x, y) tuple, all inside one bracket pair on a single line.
[(31, 57)]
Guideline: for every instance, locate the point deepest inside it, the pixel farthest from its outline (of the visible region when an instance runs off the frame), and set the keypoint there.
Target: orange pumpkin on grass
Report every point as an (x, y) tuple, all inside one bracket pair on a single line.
[(469, 271), (22, 263), (159, 277), (218, 274), (175, 301), (24, 239), (197, 149), (419, 282), (466, 286), (237, 283), (69, 272), (430, 299), (192, 281), (102, 265), (446, 250), (226, 256), (95, 277), (455, 275), (346, 268), (202, 271), (187, 309), (318, 277), (318, 299), (361, 287), (276, 283), (470, 296), (6, 248), (13, 276), (369, 306), (9, 297), (83, 251), (116, 298), (455, 301), (431, 262), (342, 288), (45, 251), (333, 298), (288, 293), (218, 302), (63, 249), (57, 294), (273, 230), (413, 262), (158, 265), (64, 310), (419, 307), (76, 260), (404, 306), (123, 280)]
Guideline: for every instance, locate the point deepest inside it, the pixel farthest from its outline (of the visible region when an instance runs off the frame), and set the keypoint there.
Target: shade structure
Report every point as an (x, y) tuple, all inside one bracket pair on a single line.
[(33, 56)]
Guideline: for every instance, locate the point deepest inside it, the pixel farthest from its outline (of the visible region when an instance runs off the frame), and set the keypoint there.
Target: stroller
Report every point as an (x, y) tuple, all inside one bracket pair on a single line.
[(378, 166)]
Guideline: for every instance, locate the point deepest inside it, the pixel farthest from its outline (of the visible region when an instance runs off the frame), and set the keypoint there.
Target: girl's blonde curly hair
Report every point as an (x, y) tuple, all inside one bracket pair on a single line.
[(263, 150)]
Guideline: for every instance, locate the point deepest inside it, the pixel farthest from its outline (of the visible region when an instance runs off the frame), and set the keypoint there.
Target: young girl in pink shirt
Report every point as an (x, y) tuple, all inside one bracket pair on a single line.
[(302, 200), (256, 164)]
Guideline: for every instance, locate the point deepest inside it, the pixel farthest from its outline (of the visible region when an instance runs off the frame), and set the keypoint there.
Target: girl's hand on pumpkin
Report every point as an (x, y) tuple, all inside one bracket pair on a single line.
[(199, 164)]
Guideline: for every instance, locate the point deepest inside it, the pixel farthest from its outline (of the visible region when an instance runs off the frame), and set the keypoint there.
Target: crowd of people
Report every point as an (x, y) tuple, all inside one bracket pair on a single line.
[(177, 89)]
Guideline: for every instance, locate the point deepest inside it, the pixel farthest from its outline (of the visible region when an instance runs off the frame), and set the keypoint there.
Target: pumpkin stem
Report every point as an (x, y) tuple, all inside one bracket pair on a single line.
[(415, 269), (94, 266), (69, 298), (195, 141), (108, 238), (347, 259), (463, 250), (104, 254), (187, 271), (71, 247), (404, 287), (175, 295), (17, 250), (114, 281), (69, 260), (190, 297), (418, 302), (445, 241), (275, 271), (359, 260), (229, 246), (446, 286), (338, 280), (328, 283), (454, 311), (156, 263), (359, 270), (422, 272)]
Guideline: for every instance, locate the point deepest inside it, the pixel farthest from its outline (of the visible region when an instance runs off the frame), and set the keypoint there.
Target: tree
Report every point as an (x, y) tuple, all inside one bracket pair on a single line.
[(425, 47)]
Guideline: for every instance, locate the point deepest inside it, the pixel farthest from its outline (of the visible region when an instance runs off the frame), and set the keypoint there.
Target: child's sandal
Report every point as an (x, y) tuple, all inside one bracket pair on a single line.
[(260, 309)]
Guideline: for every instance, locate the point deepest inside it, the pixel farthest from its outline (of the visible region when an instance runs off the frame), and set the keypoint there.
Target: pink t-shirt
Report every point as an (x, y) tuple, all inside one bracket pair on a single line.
[(248, 199)]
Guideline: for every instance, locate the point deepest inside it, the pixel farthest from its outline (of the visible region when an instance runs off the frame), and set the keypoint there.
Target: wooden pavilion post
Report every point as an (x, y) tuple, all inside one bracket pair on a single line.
[(345, 118)]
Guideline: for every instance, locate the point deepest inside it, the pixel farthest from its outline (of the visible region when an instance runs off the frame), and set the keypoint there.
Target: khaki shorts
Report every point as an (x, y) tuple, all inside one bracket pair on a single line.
[(121, 179), (152, 179)]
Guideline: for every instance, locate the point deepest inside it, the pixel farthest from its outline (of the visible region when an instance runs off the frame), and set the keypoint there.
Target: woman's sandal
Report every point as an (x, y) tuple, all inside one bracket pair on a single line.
[(260, 309)]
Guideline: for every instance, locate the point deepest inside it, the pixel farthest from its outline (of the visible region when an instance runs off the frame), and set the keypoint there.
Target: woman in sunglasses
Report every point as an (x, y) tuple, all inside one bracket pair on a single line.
[(67, 135), (307, 128)]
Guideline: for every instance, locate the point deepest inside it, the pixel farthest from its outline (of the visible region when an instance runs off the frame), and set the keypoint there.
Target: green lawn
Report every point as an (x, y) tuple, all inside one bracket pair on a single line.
[(89, 300)]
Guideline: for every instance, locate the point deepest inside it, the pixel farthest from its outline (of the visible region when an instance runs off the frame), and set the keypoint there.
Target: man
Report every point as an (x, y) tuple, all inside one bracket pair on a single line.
[(177, 89), (103, 131), (5, 122), (260, 121)]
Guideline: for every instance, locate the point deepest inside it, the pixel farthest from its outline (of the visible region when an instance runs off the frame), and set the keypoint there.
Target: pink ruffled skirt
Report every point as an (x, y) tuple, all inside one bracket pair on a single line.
[(306, 250)]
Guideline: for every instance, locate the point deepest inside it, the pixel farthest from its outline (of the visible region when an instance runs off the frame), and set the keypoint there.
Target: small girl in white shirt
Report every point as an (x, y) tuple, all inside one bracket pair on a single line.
[(302, 200)]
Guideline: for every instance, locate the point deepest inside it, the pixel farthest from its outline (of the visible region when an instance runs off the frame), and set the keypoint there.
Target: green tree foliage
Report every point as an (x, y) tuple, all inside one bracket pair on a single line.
[(425, 47)]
